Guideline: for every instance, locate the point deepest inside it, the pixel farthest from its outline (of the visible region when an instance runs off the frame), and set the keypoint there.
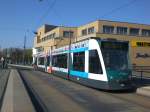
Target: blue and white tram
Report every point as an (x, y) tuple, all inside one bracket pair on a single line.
[(97, 63), (42, 61)]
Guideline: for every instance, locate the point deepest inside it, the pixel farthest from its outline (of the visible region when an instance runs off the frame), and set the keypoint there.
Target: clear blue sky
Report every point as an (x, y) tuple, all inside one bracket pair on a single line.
[(18, 16)]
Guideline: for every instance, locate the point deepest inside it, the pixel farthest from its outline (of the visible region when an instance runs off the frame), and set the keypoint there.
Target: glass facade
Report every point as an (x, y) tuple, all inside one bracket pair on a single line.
[(134, 31), (68, 34), (91, 30), (84, 32), (145, 32)]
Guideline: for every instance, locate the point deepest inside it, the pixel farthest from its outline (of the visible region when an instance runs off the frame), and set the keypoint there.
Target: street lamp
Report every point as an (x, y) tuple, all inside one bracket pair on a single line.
[(24, 46), (69, 53)]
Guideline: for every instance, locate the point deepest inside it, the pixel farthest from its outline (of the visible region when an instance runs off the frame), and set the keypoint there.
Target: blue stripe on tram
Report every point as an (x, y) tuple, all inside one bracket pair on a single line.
[(79, 49), (80, 74)]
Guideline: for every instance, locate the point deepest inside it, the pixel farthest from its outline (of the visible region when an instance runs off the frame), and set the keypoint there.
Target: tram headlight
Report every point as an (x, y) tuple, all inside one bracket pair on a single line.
[(111, 77)]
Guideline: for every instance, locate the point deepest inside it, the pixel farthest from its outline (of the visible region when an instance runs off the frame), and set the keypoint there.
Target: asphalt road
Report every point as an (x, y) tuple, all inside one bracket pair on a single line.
[(60, 95)]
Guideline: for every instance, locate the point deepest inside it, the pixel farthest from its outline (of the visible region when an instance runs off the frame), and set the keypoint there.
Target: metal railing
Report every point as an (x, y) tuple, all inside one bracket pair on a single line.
[(141, 74)]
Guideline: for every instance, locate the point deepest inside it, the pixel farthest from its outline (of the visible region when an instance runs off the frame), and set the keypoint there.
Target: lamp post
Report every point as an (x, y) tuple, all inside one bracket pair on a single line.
[(24, 46)]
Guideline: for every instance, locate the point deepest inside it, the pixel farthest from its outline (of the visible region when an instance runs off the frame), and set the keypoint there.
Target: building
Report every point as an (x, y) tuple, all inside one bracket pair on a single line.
[(50, 37)]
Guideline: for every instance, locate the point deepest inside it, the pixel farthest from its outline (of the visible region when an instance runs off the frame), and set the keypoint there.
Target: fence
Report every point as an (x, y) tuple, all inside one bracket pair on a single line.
[(141, 74)]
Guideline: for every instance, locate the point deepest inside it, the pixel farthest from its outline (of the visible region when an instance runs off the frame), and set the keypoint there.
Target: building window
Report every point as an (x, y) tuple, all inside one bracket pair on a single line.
[(134, 31), (49, 36), (43, 39), (142, 44), (145, 32), (122, 30), (79, 61), (91, 30), (94, 62), (84, 32), (46, 38), (68, 34), (108, 29), (53, 35)]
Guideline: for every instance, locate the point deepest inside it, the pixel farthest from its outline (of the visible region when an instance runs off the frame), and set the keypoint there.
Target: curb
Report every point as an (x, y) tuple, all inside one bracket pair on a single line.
[(145, 91)]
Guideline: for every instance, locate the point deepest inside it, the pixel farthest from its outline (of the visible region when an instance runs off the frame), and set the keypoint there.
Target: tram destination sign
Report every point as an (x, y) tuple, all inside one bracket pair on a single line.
[(115, 45), (83, 44)]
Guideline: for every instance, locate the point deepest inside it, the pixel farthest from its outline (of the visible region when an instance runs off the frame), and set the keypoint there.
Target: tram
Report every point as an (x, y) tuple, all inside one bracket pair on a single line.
[(98, 63)]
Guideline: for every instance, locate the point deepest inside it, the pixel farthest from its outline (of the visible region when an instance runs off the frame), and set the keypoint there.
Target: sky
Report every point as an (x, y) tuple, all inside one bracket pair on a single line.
[(20, 18)]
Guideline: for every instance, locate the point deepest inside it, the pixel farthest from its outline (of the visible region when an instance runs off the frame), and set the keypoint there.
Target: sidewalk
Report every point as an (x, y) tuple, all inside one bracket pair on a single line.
[(16, 98), (145, 91), (143, 86)]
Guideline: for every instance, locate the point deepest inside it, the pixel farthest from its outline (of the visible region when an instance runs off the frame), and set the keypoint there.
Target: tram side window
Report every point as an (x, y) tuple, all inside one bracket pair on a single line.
[(54, 61), (94, 62), (41, 61), (48, 60), (60, 61), (79, 61)]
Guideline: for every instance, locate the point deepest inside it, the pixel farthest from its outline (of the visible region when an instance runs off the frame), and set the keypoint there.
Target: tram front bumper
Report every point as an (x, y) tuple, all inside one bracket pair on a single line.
[(120, 85)]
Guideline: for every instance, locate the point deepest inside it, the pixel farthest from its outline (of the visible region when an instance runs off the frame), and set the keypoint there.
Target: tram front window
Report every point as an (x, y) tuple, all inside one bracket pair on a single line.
[(115, 55)]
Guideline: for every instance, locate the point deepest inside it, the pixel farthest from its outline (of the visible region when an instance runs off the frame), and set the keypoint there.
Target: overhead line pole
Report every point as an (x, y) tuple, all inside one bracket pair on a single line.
[(69, 54), (24, 48)]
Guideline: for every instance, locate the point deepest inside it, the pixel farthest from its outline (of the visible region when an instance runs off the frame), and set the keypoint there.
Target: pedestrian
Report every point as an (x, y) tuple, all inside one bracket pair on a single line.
[(34, 66), (3, 62)]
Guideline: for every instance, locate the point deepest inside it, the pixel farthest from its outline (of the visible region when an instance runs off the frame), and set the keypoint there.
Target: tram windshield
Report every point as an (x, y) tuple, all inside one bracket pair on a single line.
[(115, 55)]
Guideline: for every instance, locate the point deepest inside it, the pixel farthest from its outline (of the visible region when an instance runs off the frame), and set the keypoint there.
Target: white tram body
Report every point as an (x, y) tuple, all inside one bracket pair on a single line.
[(102, 64)]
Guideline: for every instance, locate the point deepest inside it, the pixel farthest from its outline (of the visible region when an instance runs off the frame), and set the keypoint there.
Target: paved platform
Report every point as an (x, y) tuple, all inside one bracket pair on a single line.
[(143, 86), (144, 91), (16, 98)]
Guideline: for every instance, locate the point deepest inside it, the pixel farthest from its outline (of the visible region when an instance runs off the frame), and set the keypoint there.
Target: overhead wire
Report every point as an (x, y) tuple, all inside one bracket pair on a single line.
[(118, 8), (57, 14), (51, 6)]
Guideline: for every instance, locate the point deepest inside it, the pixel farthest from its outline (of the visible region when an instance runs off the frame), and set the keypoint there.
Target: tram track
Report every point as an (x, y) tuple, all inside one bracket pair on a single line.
[(132, 97), (50, 97), (35, 98), (88, 98)]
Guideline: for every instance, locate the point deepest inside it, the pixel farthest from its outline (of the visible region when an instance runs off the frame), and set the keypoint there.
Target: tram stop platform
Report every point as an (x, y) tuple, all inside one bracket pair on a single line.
[(16, 98), (143, 86)]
